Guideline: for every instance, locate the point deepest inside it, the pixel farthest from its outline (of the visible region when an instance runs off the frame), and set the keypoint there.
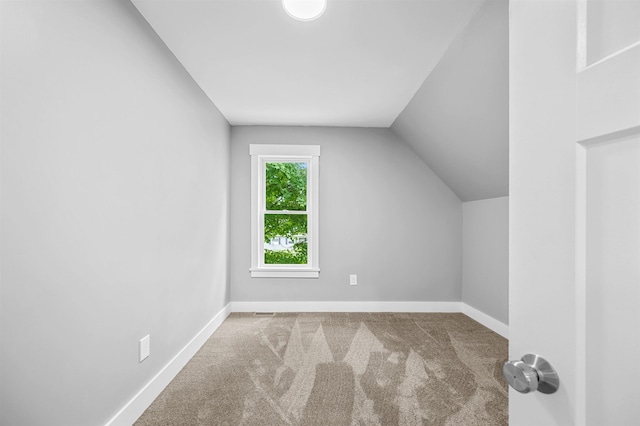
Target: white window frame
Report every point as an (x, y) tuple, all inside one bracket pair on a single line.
[(260, 155)]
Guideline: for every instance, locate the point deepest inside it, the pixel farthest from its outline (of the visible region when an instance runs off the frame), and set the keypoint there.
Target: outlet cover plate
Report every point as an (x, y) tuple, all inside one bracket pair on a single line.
[(145, 347), (353, 279)]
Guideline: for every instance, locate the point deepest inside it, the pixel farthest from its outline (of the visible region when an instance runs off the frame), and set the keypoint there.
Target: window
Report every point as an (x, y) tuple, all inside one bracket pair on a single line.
[(284, 207)]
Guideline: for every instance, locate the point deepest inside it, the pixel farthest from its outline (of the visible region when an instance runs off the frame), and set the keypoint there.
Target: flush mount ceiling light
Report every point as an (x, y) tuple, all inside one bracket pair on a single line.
[(304, 10)]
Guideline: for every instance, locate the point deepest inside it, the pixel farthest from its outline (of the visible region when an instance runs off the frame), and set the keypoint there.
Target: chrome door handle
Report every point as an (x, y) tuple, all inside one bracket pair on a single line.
[(531, 373)]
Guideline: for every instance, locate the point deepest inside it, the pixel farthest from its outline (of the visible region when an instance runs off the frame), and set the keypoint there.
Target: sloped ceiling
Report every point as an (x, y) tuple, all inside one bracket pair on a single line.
[(457, 122), (358, 65), (436, 71)]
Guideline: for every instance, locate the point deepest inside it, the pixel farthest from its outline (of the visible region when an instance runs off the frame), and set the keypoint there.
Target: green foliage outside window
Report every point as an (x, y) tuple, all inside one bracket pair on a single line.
[(286, 189), (286, 186)]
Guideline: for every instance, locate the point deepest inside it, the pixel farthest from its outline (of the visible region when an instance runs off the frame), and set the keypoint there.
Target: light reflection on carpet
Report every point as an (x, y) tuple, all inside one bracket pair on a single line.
[(340, 369)]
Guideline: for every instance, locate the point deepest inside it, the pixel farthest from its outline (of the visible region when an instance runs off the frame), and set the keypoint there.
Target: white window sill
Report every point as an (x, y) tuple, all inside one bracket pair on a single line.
[(284, 273)]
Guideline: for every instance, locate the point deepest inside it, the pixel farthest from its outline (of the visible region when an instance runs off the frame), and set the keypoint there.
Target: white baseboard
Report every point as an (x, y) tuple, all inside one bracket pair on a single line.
[(486, 320), (346, 307), (143, 399)]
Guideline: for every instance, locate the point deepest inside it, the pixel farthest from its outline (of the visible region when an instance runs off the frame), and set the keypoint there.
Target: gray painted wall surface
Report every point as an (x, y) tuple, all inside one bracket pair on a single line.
[(457, 122), (115, 185), (384, 215), (485, 258)]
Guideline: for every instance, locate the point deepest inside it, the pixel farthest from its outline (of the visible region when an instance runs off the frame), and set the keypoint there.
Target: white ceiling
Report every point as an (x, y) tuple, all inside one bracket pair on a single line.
[(357, 65)]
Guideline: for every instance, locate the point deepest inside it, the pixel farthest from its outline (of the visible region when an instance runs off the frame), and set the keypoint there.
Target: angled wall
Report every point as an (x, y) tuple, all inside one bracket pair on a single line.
[(384, 215), (115, 186), (457, 122)]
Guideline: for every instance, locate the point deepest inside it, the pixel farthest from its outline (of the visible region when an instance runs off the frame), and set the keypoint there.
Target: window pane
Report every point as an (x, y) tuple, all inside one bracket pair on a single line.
[(286, 186), (285, 239)]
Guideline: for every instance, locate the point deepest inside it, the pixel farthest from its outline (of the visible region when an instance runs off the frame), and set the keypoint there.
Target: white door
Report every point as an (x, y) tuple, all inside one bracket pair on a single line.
[(575, 207)]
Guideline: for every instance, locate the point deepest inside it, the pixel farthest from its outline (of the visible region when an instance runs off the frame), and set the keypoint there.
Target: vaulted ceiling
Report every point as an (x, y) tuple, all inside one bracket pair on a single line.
[(361, 64)]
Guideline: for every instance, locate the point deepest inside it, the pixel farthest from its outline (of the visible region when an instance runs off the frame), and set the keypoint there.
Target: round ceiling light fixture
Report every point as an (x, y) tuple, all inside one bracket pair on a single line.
[(304, 10)]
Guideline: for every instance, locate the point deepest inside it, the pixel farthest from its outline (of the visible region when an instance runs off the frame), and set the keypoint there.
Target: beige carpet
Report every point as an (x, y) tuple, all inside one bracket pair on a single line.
[(340, 369)]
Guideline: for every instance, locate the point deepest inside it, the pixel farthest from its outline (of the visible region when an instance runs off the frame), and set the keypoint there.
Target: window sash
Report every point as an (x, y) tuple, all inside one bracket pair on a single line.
[(263, 186)]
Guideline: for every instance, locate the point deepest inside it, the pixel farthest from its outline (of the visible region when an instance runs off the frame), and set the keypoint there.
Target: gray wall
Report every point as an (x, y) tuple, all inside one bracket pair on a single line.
[(384, 215), (457, 122), (485, 258), (115, 186)]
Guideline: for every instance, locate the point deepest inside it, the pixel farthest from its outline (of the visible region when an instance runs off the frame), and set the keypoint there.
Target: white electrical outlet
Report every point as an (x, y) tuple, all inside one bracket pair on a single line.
[(353, 279), (145, 347)]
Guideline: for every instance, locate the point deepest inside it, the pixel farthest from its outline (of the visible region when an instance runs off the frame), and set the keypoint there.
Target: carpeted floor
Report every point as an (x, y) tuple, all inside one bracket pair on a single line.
[(340, 369)]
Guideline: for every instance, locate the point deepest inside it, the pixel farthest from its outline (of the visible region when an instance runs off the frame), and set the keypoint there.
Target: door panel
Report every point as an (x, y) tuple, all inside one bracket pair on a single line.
[(607, 95), (611, 26), (612, 282)]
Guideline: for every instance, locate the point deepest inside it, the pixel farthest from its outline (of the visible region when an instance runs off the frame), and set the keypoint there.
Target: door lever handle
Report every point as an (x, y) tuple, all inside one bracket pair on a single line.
[(531, 373)]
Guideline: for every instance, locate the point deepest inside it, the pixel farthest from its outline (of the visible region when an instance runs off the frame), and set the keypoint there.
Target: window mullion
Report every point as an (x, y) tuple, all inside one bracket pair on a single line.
[(286, 212)]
